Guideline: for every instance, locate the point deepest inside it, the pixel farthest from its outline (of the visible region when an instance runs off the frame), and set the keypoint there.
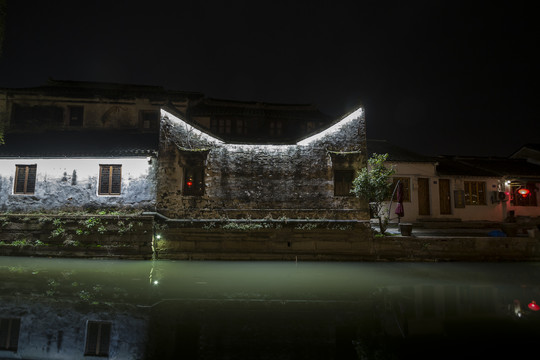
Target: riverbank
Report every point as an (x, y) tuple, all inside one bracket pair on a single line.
[(144, 237)]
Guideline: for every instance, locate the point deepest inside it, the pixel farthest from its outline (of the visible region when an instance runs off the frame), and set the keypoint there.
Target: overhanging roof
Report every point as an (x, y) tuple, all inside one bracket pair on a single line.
[(79, 144)]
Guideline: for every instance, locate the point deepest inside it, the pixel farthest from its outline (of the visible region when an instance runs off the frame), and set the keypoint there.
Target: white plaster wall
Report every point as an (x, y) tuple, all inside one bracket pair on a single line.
[(55, 187), (492, 211), (414, 171), (489, 212)]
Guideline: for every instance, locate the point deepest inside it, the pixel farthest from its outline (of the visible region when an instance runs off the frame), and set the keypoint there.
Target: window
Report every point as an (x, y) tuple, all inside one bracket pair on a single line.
[(475, 192), (343, 182), (110, 179), (98, 338), (276, 128), (149, 119), (9, 334), (25, 179), (529, 199), (221, 126), (406, 188), (40, 116), (193, 181), (76, 115), (241, 127)]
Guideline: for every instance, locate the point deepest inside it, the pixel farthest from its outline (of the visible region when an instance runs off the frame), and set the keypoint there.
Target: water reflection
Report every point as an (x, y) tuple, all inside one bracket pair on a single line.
[(75, 309)]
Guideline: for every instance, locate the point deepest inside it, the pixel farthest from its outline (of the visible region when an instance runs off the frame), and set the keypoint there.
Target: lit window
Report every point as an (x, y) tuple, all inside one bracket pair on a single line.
[(475, 192), (406, 188), (76, 115), (25, 179), (110, 179), (98, 338), (343, 180), (9, 334), (193, 181), (527, 199)]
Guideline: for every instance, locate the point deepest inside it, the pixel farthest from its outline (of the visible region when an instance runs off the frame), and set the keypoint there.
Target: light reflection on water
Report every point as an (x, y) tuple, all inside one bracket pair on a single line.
[(269, 310)]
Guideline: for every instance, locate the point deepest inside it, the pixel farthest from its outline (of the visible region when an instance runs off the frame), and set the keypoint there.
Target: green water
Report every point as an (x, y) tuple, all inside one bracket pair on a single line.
[(282, 310)]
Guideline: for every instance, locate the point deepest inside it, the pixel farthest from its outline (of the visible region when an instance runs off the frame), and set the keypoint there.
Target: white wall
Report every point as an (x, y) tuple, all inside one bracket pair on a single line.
[(73, 182)]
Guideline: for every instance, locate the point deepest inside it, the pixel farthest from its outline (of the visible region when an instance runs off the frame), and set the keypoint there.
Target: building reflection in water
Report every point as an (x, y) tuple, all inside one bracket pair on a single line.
[(84, 309)]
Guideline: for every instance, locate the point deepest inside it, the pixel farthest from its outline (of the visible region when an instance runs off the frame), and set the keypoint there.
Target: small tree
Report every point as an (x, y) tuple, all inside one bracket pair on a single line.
[(373, 185)]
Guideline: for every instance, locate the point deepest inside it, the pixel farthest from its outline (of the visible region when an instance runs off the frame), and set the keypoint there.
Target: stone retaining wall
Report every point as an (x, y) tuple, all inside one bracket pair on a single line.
[(263, 241), (96, 236), (130, 237)]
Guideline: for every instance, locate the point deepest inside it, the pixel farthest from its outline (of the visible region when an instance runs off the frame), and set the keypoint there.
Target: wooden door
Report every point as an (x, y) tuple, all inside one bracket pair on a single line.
[(444, 196), (423, 196)]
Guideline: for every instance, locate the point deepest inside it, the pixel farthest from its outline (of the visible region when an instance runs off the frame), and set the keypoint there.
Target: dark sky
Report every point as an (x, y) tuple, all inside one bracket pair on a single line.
[(438, 77)]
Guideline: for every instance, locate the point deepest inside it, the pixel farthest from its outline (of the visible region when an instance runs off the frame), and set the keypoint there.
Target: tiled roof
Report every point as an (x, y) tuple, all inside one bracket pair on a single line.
[(84, 89), (487, 166), (396, 153), (79, 144)]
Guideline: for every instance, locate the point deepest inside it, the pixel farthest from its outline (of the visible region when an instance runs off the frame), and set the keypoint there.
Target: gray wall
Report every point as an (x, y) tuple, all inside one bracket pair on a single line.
[(257, 181)]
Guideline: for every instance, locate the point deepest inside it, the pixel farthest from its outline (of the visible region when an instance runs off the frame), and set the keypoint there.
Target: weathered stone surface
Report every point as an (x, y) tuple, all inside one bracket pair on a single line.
[(258, 181), (126, 237)]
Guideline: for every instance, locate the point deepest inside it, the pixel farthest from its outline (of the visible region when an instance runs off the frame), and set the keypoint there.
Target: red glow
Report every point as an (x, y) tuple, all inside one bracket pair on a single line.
[(524, 192), (533, 306), (189, 183)]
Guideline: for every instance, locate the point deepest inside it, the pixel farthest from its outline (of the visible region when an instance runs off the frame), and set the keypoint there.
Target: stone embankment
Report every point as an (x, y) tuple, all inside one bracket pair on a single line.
[(149, 236)]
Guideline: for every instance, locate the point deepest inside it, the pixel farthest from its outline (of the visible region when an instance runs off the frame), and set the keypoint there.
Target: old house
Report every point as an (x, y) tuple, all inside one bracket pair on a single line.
[(242, 121), (489, 188), (461, 188), (418, 175), (81, 145), (186, 161), (202, 175)]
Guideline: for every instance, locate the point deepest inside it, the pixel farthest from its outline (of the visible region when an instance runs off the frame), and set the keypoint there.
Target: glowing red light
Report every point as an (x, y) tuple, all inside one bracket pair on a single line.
[(534, 306), (189, 183), (524, 192)]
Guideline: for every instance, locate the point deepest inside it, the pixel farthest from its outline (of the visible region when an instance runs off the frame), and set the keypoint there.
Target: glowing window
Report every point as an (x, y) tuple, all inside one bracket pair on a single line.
[(25, 179), (110, 179), (193, 181), (475, 192), (519, 200), (98, 338)]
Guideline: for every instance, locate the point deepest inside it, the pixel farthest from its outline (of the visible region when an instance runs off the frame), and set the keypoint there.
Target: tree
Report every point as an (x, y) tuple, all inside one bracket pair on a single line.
[(373, 185)]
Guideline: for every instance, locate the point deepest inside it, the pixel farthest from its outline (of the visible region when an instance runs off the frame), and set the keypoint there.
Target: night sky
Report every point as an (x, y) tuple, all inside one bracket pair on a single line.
[(437, 77)]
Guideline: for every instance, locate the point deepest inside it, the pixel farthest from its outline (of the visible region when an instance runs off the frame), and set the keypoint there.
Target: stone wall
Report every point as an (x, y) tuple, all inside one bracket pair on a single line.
[(258, 181), (95, 236), (263, 240)]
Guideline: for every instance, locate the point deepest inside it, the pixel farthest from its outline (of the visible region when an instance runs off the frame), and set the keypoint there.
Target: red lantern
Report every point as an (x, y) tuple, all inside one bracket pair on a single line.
[(534, 306), (189, 183), (523, 192)]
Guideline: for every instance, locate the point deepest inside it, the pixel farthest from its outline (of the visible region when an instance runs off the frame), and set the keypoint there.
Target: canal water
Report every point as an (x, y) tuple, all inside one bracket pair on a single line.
[(90, 309)]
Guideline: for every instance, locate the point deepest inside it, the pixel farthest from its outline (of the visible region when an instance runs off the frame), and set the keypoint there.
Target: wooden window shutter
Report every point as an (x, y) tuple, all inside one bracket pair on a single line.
[(110, 179), (25, 179)]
